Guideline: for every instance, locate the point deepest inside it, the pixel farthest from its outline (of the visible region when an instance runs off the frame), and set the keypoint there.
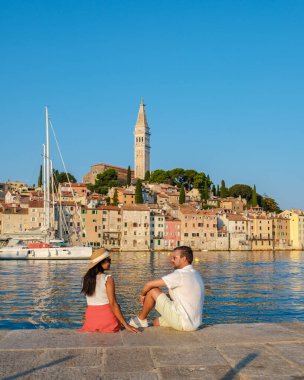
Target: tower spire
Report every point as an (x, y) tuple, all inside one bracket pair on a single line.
[(141, 143)]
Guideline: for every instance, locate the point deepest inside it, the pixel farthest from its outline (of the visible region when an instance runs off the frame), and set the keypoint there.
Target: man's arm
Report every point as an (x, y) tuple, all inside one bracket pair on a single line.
[(152, 284)]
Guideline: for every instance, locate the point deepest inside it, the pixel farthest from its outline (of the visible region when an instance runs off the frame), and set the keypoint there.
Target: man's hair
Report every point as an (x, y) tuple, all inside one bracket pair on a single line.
[(185, 252)]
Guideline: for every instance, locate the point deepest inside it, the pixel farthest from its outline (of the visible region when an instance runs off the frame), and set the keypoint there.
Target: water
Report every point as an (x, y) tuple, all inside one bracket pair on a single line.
[(240, 288)]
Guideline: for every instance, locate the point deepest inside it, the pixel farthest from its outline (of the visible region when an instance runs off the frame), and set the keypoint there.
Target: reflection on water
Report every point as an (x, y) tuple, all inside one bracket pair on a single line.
[(240, 287)]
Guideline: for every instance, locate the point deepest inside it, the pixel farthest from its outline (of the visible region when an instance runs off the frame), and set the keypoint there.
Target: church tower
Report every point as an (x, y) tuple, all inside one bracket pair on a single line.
[(141, 144)]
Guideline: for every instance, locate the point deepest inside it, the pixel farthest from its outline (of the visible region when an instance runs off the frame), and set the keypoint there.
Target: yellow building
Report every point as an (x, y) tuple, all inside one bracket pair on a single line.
[(260, 231), (101, 226), (296, 227), (135, 228), (281, 232)]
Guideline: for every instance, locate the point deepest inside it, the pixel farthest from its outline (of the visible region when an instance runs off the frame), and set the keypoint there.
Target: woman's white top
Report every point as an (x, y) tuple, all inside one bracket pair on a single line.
[(100, 296)]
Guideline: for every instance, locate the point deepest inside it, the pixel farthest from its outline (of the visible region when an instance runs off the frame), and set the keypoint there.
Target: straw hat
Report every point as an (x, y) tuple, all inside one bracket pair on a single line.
[(97, 256)]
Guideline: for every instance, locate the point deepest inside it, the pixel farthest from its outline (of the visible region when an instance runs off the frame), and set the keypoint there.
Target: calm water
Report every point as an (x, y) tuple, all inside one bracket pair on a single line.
[(240, 287)]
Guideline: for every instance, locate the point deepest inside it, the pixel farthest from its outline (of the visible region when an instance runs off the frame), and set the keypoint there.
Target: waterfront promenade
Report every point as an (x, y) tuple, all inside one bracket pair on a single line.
[(221, 352)]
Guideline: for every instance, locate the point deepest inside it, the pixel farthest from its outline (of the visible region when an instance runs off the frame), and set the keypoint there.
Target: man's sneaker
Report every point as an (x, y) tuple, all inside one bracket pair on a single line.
[(136, 322)]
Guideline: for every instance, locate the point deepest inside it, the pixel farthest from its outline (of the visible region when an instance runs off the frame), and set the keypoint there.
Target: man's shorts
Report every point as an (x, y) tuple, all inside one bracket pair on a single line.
[(169, 316)]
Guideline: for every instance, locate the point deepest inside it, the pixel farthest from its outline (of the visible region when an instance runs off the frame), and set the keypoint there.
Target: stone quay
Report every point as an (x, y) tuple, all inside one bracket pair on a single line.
[(222, 352)]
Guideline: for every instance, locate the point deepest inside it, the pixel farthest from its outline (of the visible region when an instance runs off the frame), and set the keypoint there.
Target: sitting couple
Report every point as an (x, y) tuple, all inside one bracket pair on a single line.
[(182, 311)]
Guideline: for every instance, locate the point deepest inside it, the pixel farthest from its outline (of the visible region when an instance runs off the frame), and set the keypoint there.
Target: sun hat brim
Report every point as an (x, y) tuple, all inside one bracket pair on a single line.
[(97, 260)]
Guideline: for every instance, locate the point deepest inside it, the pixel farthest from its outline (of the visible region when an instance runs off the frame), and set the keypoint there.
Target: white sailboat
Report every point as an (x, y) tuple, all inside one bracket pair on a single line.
[(19, 249)]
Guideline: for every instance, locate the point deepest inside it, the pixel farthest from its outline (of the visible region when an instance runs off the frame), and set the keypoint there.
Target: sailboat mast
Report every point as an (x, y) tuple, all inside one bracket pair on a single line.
[(44, 187), (47, 173)]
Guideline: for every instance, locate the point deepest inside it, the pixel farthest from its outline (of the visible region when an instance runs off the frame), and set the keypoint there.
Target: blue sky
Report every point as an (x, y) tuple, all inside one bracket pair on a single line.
[(222, 80)]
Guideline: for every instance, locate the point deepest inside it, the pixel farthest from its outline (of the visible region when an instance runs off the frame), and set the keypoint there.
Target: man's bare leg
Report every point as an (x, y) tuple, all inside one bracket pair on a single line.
[(149, 302)]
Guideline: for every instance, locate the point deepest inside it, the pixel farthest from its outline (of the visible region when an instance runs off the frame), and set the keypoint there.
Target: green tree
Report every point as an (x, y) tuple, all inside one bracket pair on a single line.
[(199, 180), (138, 192), (254, 199), (61, 177), (270, 205), (105, 180), (182, 195), (218, 191), (159, 176), (40, 177), (147, 176), (213, 189), (205, 194), (129, 176), (115, 198), (244, 191), (223, 190), (190, 174), (177, 176)]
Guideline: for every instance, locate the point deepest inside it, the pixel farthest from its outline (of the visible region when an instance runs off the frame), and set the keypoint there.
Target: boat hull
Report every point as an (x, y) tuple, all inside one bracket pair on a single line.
[(54, 253)]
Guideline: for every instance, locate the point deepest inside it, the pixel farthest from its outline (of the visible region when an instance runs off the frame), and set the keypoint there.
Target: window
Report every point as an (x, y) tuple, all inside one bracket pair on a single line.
[(126, 224), (186, 234), (94, 220)]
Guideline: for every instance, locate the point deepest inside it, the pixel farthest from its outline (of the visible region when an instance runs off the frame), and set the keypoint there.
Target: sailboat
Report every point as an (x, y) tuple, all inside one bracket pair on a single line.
[(19, 249)]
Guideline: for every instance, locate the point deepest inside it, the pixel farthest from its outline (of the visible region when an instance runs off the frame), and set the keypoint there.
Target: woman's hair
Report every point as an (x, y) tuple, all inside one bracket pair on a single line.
[(89, 279)]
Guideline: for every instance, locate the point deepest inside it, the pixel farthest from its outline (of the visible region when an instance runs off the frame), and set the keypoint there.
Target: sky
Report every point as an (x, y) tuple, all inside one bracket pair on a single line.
[(223, 84)]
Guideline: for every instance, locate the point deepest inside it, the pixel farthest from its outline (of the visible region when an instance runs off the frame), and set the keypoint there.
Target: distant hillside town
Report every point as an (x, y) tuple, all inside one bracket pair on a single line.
[(122, 219), (141, 210)]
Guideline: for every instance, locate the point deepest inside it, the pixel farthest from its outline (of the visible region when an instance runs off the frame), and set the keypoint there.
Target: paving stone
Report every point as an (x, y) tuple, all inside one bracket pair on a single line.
[(256, 360), (198, 373), (14, 362), (130, 376), (278, 377), (57, 338), (295, 326), (292, 351), (127, 360), (65, 373), (79, 357), (251, 333), (204, 356), (4, 333), (159, 336)]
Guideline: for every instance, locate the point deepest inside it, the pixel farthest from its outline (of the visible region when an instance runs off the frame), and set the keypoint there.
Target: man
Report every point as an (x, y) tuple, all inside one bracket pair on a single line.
[(186, 289)]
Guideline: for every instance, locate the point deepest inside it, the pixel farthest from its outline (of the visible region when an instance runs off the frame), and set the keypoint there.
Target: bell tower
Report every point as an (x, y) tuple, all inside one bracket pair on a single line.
[(141, 143)]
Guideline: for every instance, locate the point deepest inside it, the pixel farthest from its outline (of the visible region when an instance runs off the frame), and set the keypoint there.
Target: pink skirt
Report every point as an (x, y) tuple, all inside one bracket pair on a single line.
[(100, 319)]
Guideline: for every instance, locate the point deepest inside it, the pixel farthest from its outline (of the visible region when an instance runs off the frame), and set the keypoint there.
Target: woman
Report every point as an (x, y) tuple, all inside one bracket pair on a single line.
[(103, 313)]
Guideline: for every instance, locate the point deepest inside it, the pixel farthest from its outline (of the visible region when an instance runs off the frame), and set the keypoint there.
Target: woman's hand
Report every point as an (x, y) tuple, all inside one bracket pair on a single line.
[(132, 329), (142, 299)]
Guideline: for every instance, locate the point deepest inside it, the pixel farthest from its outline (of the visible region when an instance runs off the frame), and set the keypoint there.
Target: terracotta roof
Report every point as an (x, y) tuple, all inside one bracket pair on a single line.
[(171, 219), (161, 195), (112, 166), (188, 210), (36, 204), (235, 217), (138, 207), (114, 208)]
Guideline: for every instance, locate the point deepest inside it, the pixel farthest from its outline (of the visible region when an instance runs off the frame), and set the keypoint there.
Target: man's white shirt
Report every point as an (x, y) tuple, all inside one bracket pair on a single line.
[(186, 289)]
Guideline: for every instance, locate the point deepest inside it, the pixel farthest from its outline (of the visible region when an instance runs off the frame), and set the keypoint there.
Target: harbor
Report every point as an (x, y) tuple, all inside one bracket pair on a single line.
[(240, 287)]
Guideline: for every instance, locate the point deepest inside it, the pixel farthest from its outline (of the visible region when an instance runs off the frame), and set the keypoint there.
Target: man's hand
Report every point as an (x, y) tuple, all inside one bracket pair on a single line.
[(142, 299)]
